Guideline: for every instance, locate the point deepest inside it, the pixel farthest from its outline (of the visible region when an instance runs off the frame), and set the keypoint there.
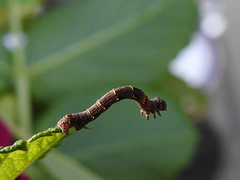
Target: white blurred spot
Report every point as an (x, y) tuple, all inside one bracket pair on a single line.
[(12, 41), (213, 25), (195, 64)]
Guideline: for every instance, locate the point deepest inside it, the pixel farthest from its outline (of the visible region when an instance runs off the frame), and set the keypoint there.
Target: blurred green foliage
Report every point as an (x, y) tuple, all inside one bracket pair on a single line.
[(78, 51)]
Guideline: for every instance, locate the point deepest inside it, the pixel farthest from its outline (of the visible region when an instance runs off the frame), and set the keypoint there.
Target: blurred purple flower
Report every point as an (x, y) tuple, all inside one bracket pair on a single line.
[(22, 177), (6, 139)]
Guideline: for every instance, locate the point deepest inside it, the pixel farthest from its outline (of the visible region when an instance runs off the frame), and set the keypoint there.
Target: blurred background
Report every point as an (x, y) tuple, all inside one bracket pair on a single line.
[(60, 56)]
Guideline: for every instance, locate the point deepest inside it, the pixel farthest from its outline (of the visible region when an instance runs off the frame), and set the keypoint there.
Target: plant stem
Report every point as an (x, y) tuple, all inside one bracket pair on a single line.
[(20, 72)]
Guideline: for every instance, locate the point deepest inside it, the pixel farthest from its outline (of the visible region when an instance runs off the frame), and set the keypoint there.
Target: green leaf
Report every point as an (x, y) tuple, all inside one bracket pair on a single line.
[(122, 143), (101, 42), (98, 46), (18, 145), (16, 158), (79, 51), (191, 101), (70, 169)]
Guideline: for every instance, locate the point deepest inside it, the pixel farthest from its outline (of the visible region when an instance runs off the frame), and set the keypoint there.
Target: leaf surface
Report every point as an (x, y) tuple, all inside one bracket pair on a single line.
[(16, 158), (81, 50), (106, 41)]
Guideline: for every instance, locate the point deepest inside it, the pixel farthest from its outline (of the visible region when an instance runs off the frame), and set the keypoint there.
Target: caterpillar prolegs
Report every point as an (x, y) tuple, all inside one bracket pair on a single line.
[(79, 120)]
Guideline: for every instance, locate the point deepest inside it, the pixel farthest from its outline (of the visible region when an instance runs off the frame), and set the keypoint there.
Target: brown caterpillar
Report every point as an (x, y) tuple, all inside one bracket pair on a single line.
[(79, 120)]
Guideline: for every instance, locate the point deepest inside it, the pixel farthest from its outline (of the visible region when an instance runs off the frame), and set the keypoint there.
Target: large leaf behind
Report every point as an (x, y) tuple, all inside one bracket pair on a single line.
[(85, 48), (122, 144), (99, 42)]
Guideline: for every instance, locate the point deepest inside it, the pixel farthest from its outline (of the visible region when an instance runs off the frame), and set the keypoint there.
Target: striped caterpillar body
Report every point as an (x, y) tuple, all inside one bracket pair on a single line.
[(79, 120)]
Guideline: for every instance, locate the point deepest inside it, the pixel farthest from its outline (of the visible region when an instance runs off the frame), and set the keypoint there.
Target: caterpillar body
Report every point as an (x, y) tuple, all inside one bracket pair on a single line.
[(79, 120)]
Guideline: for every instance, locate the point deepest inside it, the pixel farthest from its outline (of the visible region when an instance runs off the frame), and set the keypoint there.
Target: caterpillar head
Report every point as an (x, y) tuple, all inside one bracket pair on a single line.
[(160, 104), (65, 123)]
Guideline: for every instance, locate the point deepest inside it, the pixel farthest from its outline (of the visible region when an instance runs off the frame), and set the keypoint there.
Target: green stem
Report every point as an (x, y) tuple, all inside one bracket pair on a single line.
[(20, 72), (4, 68)]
